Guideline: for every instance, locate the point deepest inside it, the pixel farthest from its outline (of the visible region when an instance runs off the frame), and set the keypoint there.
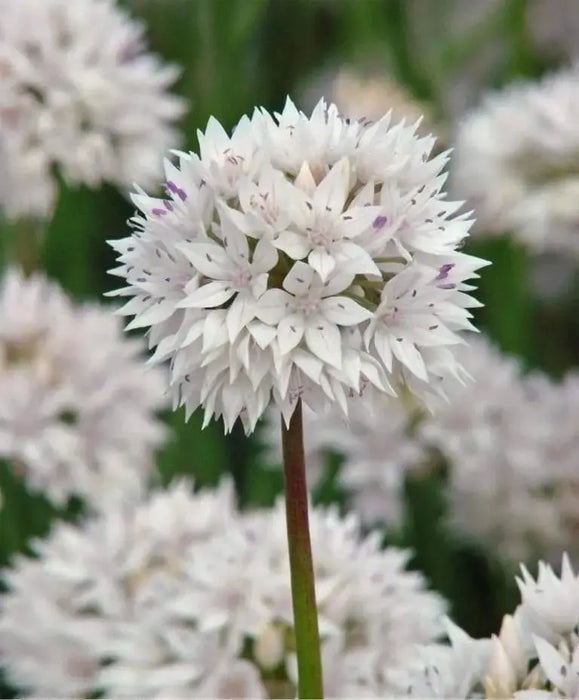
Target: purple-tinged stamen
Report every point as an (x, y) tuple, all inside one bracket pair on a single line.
[(158, 212), (449, 285), (379, 222), (175, 189), (444, 270), (168, 205)]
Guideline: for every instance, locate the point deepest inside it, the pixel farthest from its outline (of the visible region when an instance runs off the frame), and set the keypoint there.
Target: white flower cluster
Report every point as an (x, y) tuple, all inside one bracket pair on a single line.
[(300, 257), (510, 441), (516, 162), (182, 596), (77, 405), (78, 91), (535, 656)]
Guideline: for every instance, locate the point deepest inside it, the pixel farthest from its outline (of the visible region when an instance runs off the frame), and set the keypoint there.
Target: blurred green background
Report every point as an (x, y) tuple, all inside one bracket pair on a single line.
[(237, 54)]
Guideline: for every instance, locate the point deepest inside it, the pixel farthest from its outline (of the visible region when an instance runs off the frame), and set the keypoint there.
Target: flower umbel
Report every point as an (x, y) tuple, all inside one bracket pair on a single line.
[(302, 257), (80, 93), (77, 407), (517, 162)]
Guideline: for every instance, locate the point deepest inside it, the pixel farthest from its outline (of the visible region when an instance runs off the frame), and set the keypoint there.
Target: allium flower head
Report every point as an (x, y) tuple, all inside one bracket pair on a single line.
[(78, 91), (181, 596), (77, 406), (534, 655), (495, 435), (516, 162), (510, 441), (299, 257)]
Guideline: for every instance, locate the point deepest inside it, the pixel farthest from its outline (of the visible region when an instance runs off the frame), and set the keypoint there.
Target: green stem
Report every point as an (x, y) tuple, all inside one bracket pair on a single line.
[(300, 554)]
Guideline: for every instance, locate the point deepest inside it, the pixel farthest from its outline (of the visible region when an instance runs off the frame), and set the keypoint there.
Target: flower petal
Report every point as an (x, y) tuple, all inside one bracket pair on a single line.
[(311, 366), (294, 244), (305, 181), (343, 311), (355, 259), (273, 306), (299, 279), (365, 196), (208, 258), (261, 333), (264, 256), (324, 340), (214, 330), (410, 356), (156, 313), (207, 296), (322, 262), (289, 333), (356, 221), (337, 282), (234, 242), (383, 347), (239, 314), (332, 192), (551, 662)]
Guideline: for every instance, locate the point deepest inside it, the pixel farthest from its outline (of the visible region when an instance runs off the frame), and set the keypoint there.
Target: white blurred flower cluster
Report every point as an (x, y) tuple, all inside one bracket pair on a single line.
[(507, 442), (516, 162), (77, 405), (78, 92), (510, 441), (300, 257), (361, 96), (535, 656), (182, 596)]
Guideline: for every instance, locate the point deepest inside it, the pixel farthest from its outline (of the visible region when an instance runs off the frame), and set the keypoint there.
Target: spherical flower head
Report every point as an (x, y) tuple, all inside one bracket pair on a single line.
[(516, 162), (182, 596), (77, 405), (300, 257), (80, 93)]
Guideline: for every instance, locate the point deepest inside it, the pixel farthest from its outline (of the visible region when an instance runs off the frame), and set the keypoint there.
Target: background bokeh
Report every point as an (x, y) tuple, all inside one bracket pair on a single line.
[(236, 54)]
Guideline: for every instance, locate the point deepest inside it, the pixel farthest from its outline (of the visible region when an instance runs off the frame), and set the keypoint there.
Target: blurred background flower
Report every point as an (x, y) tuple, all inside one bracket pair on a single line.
[(515, 162), (77, 405), (80, 94), (182, 596)]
